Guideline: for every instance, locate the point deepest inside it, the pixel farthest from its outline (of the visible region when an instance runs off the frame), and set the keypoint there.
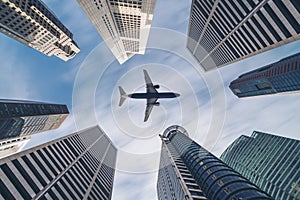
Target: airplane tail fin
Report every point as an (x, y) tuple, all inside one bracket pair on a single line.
[(122, 96)]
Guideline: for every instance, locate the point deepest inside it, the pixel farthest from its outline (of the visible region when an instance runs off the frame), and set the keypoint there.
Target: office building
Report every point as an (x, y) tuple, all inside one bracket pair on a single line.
[(12, 145), (124, 25), (78, 166), (280, 77), (271, 162), (33, 24), (188, 171), (222, 32), (20, 118)]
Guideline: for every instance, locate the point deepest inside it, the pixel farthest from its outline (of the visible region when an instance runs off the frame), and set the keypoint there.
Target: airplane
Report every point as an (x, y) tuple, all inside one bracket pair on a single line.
[(151, 95)]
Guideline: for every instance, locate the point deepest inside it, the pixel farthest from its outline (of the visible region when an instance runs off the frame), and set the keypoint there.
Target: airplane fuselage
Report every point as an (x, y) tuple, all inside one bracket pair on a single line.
[(162, 95)]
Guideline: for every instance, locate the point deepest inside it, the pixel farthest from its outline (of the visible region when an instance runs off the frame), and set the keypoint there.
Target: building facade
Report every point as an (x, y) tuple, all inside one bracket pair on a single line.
[(33, 24), (279, 77), (124, 25), (19, 119), (12, 145), (188, 171), (271, 162), (78, 166), (23, 118), (222, 32)]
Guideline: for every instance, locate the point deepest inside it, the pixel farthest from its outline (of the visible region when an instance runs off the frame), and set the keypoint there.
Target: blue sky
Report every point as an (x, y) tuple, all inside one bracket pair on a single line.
[(213, 116)]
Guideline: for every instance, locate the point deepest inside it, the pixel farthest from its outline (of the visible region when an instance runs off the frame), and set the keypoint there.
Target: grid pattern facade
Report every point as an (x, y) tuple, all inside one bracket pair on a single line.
[(124, 25), (21, 118), (33, 24), (279, 77), (79, 166), (214, 179), (271, 162), (222, 32)]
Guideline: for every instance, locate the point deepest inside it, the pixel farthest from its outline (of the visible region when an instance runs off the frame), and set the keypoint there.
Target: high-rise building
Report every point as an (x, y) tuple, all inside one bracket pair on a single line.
[(12, 145), (188, 171), (23, 118), (279, 77), (124, 25), (33, 24), (271, 162), (78, 166), (222, 32)]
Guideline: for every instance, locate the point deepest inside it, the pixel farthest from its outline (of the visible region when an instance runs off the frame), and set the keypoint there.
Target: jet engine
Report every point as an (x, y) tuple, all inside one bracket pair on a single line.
[(156, 86)]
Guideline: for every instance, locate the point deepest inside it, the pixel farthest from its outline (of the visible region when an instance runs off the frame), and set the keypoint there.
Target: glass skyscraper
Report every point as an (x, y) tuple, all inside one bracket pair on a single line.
[(222, 32), (78, 166), (279, 77), (188, 171), (271, 162)]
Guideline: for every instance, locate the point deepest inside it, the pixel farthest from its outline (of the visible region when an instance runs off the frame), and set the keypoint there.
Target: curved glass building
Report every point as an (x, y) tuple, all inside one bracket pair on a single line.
[(188, 171)]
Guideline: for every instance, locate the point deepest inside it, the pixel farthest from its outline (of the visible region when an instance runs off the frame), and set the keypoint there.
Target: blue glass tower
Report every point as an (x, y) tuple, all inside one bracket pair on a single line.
[(279, 77), (188, 171)]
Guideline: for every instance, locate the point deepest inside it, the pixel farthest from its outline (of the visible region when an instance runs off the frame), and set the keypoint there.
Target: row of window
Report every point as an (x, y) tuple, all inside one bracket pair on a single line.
[(42, 166)]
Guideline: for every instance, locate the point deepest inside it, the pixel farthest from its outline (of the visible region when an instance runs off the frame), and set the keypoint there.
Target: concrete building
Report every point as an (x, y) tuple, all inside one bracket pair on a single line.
[(12, 145), (78, 166), (222, 32), (271, 162), (280, 77), (33, 24), (124, 25), (20, 119), (188, 171)]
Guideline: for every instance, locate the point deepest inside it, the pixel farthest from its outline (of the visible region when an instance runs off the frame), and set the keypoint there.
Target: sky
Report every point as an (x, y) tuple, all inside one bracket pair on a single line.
[(88, 85)]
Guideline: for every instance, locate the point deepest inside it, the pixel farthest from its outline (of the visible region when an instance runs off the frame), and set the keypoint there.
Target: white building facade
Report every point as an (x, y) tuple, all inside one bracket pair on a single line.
[(33, 24), (124, 25), (12, 145)]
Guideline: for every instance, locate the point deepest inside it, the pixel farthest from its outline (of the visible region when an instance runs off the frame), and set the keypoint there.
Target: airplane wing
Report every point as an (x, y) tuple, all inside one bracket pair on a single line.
[(149, 84), (149, 108)]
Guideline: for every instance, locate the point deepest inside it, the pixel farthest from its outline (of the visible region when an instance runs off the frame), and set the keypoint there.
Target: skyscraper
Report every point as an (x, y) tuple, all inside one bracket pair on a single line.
[(124, 25), (12, 145), (78, 166), (35, 25), (279, 77), (271, 162), (19, 119), (22, 118), (222, 32), (188, 171)]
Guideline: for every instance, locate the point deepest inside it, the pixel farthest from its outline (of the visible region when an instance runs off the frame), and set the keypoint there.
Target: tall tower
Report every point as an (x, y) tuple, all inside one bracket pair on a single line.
[(35, 25), (188, 171), (279, 77), (78, 166), (222, 32), (271, 162), (20, 118), (124, 25)]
